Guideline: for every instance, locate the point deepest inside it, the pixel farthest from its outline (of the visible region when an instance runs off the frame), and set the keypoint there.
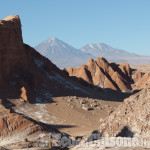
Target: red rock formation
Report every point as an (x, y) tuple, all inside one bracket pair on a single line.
[(103, 74), (137, 76), (12, 51), (13, 123), (24, 73), (142, 82)]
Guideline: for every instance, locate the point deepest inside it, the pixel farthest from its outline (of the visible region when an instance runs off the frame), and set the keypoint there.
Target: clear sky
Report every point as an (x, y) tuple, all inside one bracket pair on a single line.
[(123, 24)]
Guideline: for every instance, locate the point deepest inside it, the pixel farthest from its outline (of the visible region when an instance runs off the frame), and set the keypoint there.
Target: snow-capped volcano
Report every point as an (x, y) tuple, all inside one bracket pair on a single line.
[(101, 49), (62, 54), (114, 54)]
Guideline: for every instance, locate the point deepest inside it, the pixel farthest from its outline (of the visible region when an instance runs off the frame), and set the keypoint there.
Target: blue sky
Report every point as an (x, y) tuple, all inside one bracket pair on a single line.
[(123, 24)]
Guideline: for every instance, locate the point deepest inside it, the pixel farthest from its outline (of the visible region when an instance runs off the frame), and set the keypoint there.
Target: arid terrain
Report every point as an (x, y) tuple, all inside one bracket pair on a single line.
[(37, 99), (143, 68)]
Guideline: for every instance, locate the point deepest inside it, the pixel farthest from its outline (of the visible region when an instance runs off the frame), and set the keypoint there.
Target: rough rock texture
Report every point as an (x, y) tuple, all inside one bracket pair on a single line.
[(24, 94), (20, 131), (131, 118), (17, 126), (12, 51), (24, 73), (143, 81), (103, 74), (137, 76), (13, 123)]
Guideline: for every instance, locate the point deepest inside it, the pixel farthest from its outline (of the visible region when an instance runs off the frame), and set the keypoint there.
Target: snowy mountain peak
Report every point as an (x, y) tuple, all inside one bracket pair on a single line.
[(62, 54), (101, 49), (99, 46), (52, 41)]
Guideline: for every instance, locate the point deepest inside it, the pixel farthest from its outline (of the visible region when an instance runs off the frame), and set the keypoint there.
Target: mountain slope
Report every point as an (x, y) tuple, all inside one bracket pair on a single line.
[(103, 74), (101, 49), (114, 55), (62, 54), (131, 118), (110, 75)]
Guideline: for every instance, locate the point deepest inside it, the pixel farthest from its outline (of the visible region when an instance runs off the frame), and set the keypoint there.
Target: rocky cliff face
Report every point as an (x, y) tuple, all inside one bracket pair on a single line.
[(103, 74), (12, 51), (24, 73), (131, 118)]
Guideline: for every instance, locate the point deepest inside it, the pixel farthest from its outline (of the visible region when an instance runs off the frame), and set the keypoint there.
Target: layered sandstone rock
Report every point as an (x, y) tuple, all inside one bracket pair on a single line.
[(131, 118), (103, 74), (142, 81), (137, 76), (12, 51), (13, 123)]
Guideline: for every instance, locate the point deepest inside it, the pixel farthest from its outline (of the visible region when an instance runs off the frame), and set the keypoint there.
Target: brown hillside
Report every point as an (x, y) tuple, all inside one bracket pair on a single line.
[(131, 118), (24, 73), (103, 74)]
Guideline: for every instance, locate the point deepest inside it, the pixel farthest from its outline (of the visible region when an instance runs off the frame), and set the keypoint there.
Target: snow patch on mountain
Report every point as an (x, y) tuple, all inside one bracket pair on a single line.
[(62, 54)]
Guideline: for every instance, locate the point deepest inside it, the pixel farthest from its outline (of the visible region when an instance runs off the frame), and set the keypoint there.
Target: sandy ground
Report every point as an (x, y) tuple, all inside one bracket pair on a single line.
[(142, 68), (73, 115), (76, 116)]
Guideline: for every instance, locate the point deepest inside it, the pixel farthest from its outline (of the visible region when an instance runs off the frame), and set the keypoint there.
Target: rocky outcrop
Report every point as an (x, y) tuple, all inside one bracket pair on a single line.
[(12, 51), (103, 74), (131, 118), (137, 76), (13, 123), (26, 74), (142, 81), (24, 94), (17, 126)]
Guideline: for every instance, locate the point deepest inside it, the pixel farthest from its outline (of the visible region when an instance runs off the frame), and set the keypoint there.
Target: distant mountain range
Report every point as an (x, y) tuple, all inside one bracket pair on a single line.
[(64, 55), (101, 49)]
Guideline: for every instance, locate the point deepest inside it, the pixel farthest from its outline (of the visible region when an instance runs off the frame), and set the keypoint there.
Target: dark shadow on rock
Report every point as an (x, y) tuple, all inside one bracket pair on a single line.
[(38, 81), (45, 125), (33, 91), (125, 132), (95, 135), (111, 80), (99, 93), (7, 104), (135, 91), (122, 74)]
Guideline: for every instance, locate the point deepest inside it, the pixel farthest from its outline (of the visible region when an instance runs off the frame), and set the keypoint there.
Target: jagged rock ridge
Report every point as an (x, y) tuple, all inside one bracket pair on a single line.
[(131, 118), (103, 74), (110, 75)]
